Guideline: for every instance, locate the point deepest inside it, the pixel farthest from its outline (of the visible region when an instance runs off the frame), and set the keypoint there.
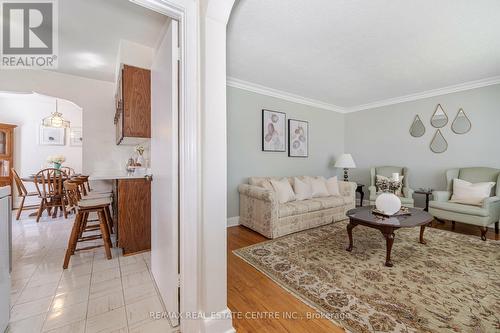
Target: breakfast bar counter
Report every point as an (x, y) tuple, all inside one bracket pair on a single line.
[(131, 209)]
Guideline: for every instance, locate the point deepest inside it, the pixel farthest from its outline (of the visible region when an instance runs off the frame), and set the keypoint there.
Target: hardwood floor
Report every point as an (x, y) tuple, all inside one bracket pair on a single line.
[(251, 293)]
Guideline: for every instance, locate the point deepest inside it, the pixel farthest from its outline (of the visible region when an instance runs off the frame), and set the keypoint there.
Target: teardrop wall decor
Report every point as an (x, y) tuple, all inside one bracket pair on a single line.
[(461, 124), (439, 118), (438, 144), (417, 128)]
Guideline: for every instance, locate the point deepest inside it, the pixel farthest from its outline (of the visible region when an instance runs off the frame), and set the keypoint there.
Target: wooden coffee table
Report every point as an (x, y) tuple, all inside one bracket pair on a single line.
[(387, 225)]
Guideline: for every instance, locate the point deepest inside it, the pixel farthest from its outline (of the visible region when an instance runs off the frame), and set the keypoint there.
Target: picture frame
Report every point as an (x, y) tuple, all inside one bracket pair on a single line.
[(298, 138), (52, 136), (273, 131), (76, 136)]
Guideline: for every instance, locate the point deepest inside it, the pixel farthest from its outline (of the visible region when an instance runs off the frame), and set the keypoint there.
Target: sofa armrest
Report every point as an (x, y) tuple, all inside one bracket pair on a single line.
[(442, 196), (256, 192), (347, 188), (491, 202), (259, 209)]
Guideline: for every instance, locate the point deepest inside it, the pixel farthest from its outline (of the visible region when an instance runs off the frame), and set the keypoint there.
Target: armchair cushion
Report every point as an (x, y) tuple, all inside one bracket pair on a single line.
[(470, 194), (459, 208)]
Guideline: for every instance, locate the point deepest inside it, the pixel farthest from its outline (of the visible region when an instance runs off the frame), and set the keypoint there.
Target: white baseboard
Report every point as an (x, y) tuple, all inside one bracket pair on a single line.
[(220, 322), (233, 221)]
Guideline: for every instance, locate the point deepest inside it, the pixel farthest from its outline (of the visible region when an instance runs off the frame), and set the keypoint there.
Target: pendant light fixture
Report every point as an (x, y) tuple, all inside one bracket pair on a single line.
[(55, 120)]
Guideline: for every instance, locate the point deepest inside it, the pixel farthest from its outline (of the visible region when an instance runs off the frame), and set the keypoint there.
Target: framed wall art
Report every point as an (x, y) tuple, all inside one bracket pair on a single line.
[(273, 131), (52, 136), (298, 138), (76, 136)]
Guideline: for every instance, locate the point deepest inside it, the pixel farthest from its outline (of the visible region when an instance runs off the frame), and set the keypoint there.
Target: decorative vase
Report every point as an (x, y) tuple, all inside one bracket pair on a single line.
[(388, 203), (57, 165), (140, 160)]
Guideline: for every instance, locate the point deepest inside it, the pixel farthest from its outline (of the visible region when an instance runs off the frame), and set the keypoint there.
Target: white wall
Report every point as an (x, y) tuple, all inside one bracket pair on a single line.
[(95, 97), (381, 137), (27, 111)]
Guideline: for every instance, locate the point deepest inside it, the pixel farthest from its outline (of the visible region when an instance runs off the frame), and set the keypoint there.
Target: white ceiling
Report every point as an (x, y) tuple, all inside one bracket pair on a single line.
[(90, 32), (351, 53)]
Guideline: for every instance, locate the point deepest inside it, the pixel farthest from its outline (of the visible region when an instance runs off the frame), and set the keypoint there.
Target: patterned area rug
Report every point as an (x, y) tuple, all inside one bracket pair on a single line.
[(452, 284)]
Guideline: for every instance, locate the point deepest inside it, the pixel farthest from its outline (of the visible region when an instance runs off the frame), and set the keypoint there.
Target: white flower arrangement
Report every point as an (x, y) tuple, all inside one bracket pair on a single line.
[(56, 159)]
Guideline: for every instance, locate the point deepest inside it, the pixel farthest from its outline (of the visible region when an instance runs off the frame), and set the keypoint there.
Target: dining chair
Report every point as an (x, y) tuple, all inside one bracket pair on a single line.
[(23, 193), (82, 226), (49, 184), (68, 170)]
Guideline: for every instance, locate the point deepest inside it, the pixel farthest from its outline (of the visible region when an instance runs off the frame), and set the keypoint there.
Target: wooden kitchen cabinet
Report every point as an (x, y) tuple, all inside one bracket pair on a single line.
[(6, 153), (133, 214), (133, 105)]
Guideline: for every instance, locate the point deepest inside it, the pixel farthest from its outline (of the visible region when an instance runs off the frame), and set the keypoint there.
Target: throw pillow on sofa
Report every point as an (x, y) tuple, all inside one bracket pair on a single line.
[(332, 185), (468, 193), (303, 190), (283, 189), (318, 186)]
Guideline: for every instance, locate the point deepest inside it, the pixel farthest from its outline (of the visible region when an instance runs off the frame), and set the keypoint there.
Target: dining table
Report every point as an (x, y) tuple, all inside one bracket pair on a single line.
[(31, 179)]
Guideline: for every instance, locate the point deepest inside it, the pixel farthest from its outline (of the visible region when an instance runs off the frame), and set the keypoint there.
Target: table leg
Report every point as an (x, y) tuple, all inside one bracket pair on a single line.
[(362, 195), (426, 202), (422, 229), (350, 226), (389, 238)]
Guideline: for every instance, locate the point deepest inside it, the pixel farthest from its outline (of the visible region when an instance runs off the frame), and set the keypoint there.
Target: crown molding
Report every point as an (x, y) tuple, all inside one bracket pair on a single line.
[(263, 90), (257, 88), (428, 93)]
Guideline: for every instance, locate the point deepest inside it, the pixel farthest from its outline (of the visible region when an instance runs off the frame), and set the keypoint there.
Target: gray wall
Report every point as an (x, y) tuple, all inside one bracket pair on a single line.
[(244, 155), (381, 137)]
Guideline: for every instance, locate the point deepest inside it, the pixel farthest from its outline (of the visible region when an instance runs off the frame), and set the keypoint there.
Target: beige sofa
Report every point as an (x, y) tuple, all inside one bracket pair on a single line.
[(261, 211)]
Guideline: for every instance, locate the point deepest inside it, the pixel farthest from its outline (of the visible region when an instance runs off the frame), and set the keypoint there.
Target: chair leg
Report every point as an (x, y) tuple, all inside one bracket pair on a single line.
[(20, 209), (63, 207), (484, 230), (72, 240), (109, 219), (496, 227), (105, 233), (40, 210)]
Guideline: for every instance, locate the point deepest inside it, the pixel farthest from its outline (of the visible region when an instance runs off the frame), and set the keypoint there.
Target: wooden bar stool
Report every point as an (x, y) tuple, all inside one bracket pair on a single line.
[(84, 195), (81, 225)]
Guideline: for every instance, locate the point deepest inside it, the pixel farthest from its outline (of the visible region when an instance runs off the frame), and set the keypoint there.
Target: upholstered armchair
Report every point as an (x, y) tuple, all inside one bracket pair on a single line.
[(387, 171), (481, 216)]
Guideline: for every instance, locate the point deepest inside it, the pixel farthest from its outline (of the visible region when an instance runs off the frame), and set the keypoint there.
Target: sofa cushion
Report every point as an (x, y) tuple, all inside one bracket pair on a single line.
[(303, 190), (312, 205), (318, 186), (459, 208), (332, 184), (283, 190)]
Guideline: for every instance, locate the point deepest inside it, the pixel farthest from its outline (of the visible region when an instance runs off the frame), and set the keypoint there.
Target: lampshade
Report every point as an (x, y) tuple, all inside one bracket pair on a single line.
[(55, 120), (345, 161)]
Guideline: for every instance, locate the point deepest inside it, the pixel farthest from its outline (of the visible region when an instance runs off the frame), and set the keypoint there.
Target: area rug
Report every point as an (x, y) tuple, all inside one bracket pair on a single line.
[(452, 284)]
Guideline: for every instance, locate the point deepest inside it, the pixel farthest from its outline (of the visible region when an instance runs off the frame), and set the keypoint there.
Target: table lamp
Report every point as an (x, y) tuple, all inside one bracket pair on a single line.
[(345, 161)]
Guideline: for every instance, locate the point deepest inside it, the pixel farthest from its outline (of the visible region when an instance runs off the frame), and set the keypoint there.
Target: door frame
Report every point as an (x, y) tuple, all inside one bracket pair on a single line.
[(186, 13)]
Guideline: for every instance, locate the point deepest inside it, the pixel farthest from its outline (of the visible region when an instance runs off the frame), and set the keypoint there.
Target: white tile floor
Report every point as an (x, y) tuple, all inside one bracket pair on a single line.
[(93, 295)]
